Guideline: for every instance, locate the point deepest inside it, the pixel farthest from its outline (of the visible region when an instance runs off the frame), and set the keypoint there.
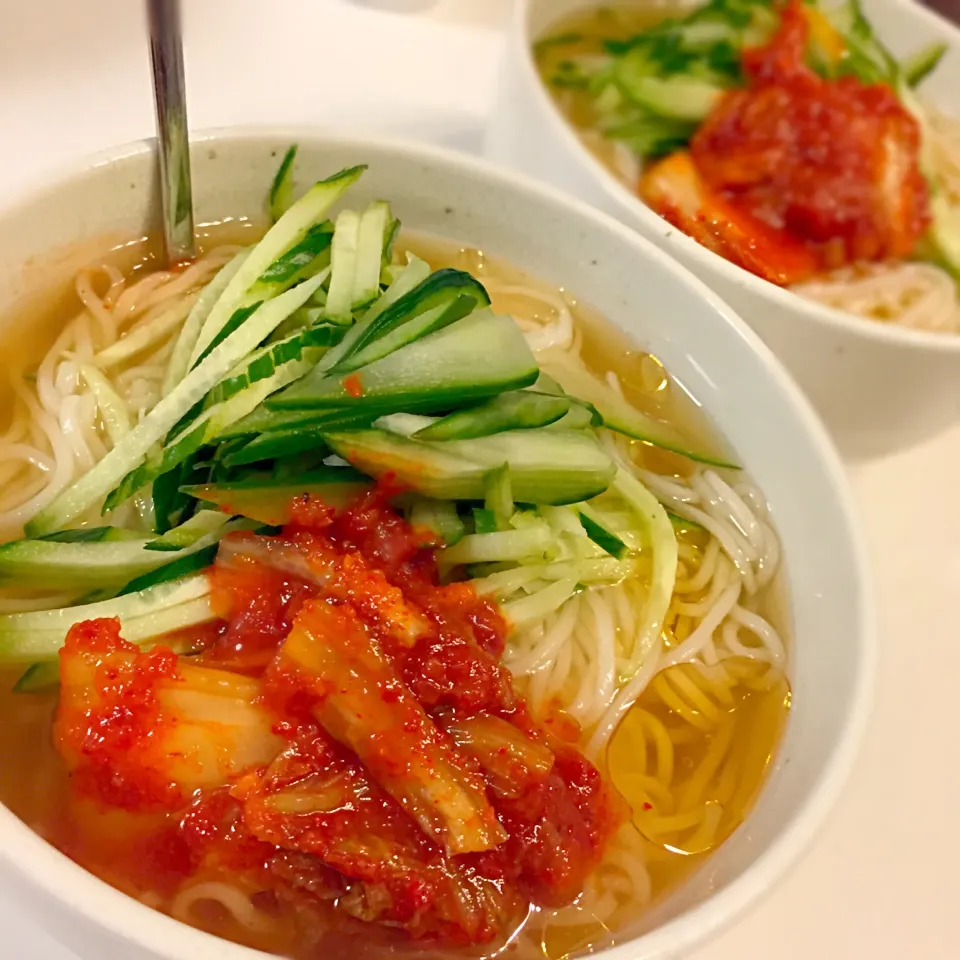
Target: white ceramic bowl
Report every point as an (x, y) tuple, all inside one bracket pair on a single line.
[(879, 388), (718, 359)]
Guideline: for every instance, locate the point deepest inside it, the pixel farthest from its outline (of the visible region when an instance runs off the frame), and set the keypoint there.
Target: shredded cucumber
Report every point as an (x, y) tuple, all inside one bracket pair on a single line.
[(183, 349), (532, 542), (498, 495), (281, 191), (620, 415), (516, 410), (440, 518), (377, 228), (38, 563), (917, 67), (441, 299), (344, 253), (287, 232), (540, 604), (476, 357), (659, 533), (307, 345), (601, 534), (38, 636)]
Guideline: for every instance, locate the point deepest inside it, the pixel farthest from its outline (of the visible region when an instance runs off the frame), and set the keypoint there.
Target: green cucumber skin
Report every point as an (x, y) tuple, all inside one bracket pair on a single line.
[(600, 535), (38, 563), (281, 190), (336, 485), (459, 470), (441, 288), (479, 356), (38, 635), (517, 410), (409, 332), (39, 678)]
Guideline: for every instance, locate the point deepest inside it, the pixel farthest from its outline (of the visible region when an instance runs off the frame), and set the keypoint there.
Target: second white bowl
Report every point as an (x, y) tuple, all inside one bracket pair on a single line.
[(879, 388)]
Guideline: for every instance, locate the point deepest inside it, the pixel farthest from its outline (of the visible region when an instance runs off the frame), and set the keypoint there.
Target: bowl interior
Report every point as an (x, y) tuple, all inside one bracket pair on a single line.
[(722, 365)]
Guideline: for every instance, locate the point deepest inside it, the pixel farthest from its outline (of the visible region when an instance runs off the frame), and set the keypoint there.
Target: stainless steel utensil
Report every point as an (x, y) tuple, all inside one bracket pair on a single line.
[(166, 55)]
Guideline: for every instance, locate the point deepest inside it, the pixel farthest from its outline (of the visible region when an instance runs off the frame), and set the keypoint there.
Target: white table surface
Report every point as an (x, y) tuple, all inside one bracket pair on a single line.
[(881, 881)]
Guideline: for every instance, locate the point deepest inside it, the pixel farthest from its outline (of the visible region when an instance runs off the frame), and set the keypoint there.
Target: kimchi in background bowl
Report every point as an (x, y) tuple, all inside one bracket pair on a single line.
[(878, 387), (746, 392)]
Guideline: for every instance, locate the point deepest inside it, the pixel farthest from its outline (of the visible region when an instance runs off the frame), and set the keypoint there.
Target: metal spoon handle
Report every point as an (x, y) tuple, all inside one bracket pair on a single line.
[(166, 55)]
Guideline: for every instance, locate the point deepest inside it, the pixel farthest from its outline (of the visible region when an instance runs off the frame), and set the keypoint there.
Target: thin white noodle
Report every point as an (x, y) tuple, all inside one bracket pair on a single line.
[(624, 700), (704, 631), (233, 900)]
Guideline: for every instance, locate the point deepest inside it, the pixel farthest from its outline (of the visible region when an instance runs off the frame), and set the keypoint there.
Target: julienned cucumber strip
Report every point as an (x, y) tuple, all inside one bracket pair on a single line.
[(532, 541), (38, 635), (90, 535), (414, 329), (498, 496), (280, 443), (419, 466), (211, 422), (343, 262), (35, 563), (479, 356), (180, 359), (309, 344), (270, 501), (447, 296), (190, 531), (622, 417), (389, 243), (377, 228), (296, 260), (580, 416), (266, 421), (517, 410), (409, 277), (209, 426), (237, 319), (300, 263), (39, 677), (440, 518), (678, 97), (191, 562), (287, 232), (484, 520), (554, 467), (600, 533), (539, 604), (918, 66), (130, 452), (281, 190), (404, 424), (357, 258)]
